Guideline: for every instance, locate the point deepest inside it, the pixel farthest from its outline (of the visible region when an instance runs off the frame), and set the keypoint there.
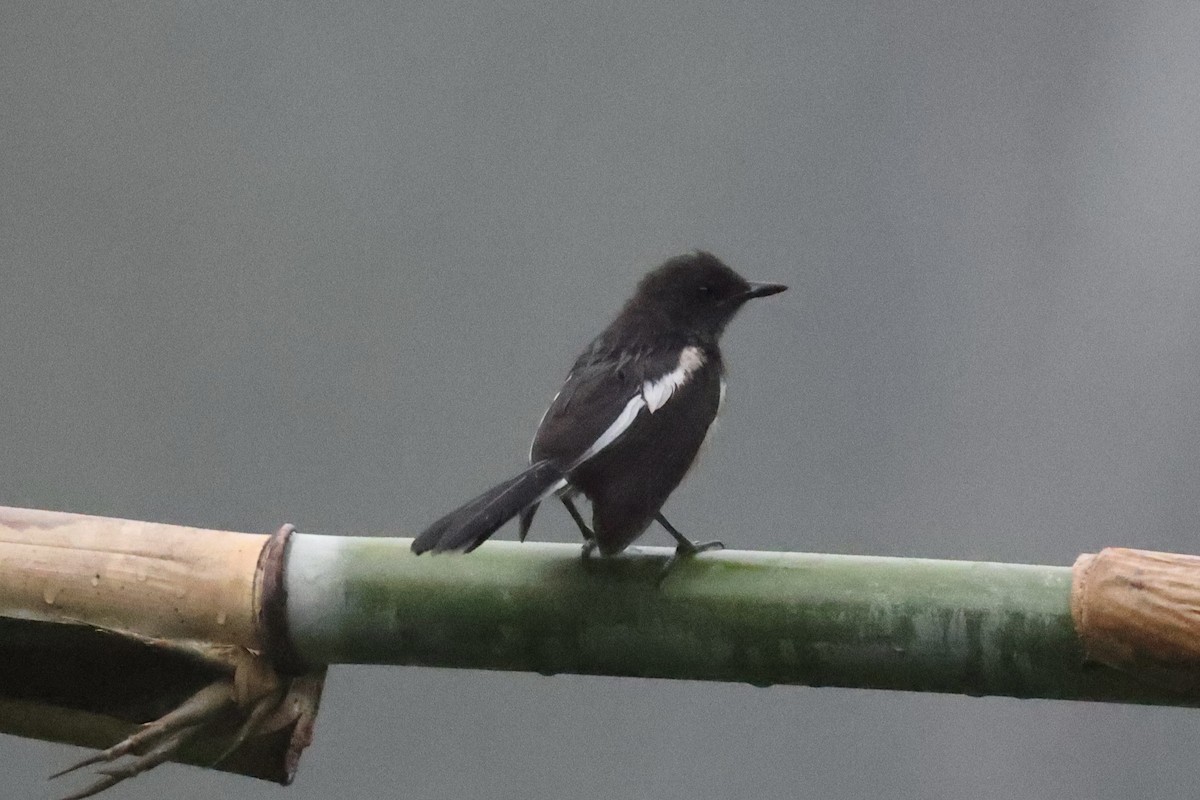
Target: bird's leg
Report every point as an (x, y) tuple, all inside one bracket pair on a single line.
[(684, 547), (589, 538)]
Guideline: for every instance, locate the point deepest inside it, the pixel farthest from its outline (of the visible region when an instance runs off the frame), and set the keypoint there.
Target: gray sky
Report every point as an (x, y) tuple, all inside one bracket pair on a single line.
[(326, 264)]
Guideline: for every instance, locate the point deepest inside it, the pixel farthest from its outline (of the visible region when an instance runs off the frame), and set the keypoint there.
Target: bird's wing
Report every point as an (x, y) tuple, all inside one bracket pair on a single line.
[(602, 397)]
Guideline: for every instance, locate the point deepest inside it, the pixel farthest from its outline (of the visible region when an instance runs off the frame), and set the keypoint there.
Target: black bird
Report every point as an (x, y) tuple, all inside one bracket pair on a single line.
[(630, 419)]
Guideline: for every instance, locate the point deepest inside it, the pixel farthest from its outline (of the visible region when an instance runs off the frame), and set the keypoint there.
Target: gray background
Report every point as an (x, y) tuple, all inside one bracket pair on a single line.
[(326, 263)]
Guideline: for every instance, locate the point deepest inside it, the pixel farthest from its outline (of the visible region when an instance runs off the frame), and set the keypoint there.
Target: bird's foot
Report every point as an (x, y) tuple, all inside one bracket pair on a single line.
[(701, 547), (686, 549), (589, 547)]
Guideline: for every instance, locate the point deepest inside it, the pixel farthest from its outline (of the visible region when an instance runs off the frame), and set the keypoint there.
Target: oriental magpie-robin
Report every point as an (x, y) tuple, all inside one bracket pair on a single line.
[(630, 419)]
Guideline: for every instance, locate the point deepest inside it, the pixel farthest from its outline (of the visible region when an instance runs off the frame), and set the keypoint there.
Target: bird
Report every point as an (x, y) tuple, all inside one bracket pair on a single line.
[(628, 422)]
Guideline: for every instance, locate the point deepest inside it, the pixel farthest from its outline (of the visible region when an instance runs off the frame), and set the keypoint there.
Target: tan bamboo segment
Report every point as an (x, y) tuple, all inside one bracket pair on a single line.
[(163, 581)]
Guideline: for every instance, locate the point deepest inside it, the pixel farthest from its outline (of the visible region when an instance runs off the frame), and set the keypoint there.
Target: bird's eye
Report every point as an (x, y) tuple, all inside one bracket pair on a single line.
[(704, 289)]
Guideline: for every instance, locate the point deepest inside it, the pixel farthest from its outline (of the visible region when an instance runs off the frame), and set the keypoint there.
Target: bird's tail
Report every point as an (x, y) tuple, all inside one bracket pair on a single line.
[(469, 526)]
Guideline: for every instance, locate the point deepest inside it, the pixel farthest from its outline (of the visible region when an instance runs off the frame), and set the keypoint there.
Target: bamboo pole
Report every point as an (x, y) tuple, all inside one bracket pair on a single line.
[(758, 618), (252, 619)]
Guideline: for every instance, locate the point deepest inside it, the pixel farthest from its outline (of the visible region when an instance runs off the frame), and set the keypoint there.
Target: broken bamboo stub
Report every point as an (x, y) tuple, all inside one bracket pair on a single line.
[(104, 623)]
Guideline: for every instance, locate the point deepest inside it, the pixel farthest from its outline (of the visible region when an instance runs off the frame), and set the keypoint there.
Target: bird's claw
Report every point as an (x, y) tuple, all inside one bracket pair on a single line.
[(687, 549)]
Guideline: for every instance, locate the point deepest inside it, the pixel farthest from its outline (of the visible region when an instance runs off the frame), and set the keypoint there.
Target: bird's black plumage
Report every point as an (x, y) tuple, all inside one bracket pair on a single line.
[(630, 418)]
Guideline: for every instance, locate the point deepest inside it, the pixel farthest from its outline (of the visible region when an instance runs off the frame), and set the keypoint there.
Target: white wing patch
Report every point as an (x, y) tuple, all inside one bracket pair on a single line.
[(619, 426), (543, 419), (652, 397), (555, 489), (658, 392)]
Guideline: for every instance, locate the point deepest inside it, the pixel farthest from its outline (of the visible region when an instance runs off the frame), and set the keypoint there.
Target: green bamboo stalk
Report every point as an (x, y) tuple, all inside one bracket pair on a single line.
[(758, 618)]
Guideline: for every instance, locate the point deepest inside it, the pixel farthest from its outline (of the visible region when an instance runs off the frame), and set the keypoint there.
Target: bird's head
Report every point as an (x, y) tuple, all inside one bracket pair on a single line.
[(696, 292)]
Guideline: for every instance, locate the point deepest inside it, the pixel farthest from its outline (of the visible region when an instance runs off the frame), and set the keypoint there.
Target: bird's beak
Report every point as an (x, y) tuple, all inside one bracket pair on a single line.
[(763, 290)]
